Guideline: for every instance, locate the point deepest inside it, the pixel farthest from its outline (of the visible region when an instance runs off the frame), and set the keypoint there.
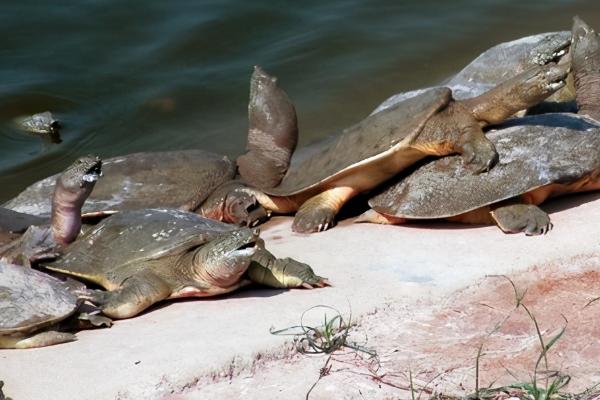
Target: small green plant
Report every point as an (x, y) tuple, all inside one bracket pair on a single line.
[(555, 381), (323, 339)]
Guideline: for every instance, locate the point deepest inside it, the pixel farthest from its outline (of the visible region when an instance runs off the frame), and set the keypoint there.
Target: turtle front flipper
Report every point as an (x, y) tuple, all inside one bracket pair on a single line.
[(318, 213), (519, 93), (42, 339), (268, 270), (477, 151), (526, 218), (135, 295)]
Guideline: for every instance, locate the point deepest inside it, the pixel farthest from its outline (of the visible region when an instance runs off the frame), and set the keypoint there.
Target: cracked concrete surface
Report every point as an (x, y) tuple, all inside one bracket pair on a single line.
[(221, 347)]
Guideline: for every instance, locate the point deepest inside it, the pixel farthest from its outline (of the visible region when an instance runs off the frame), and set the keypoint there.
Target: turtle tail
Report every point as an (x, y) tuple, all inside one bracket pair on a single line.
[(272, 133)]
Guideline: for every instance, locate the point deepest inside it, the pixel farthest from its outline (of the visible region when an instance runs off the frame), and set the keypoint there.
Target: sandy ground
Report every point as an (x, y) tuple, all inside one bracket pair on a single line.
[(419, 292)]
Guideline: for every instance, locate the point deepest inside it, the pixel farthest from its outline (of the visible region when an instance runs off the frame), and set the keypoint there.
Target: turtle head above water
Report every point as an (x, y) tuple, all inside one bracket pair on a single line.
[(222, 261), (83, 173)]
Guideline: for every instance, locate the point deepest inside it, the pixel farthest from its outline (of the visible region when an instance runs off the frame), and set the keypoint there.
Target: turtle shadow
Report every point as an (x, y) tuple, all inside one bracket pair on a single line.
[(558, 120), (251, 291), (567, 202)]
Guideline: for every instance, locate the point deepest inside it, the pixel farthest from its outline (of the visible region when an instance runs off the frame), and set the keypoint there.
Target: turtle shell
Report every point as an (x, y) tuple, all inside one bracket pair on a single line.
[(133, 237), (375, 137), (31, 300), (140, 180), (544, 149)]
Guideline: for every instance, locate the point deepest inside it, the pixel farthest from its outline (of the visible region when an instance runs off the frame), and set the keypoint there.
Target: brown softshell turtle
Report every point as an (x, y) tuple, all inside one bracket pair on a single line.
[(183, 179), (140, 180), (145, 256), (25, 237), (540, 157), (377, 148), (32, 304), (41, 124)]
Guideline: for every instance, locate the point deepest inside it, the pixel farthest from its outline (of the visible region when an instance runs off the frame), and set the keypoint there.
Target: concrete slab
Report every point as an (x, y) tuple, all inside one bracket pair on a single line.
[(174, 347)]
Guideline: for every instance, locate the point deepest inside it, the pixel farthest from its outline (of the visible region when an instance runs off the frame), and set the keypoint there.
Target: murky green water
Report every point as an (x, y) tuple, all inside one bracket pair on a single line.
[(147, 75)]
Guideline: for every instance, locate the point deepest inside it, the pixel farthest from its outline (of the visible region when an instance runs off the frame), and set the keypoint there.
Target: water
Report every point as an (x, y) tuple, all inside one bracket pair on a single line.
[(147, 75)]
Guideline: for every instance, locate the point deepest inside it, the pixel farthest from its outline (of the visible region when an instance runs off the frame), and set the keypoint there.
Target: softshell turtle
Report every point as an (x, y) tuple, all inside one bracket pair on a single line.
[(145, 256), (32, 304), (42, 124), (540, 157), (376, 149), (183, 179), (140, 180), (42, 235)]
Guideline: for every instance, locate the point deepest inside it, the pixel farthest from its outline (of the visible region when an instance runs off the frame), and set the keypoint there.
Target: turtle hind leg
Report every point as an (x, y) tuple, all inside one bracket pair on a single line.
[(375, 217), (42, 339), (318, 213), (526, 218)]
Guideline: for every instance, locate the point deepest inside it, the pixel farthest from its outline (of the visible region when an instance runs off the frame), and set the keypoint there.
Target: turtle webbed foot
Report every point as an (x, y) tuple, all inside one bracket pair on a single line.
[(316, 220), (299, 275), (480, 155), (526, 218)]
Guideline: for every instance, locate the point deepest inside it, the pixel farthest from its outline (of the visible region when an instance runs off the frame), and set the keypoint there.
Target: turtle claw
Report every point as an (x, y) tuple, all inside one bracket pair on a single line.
[(296, 274), (318, 220), (481, 157)]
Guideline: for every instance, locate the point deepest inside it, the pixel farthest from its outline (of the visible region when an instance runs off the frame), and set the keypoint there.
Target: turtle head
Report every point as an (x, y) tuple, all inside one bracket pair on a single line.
[(81, 176), (236, 204), (259, 80), (222, 261), (73, 187)]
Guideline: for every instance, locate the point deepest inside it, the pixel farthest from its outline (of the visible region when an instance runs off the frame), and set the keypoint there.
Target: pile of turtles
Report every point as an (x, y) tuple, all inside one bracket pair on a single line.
[(182, 224)]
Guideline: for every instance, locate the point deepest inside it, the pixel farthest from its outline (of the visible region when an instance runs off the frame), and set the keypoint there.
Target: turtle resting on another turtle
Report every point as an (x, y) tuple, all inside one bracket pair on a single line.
[(33, 303), (540, 157), (376, 149), (145, 256), (501, 62), (184, 179), (72, 188)]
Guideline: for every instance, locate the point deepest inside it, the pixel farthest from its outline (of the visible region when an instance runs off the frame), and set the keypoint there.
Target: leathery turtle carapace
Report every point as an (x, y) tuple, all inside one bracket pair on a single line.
[(377, 148), (540, 157), (145, 256), (33, 304)]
